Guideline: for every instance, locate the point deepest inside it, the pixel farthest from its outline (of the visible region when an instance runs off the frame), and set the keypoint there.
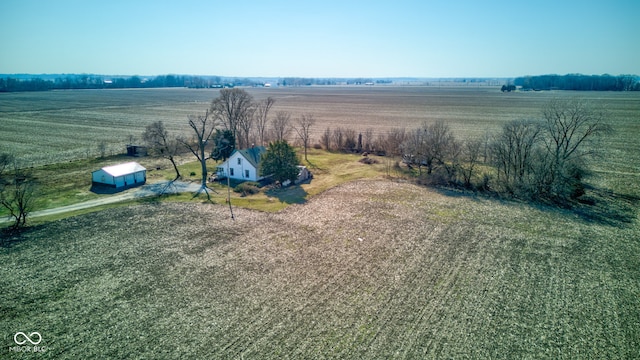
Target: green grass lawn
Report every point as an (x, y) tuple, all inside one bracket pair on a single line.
[(68, 183)]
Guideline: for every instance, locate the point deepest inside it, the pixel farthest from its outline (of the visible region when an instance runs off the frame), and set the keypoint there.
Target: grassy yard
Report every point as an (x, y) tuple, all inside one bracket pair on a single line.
[(68, 183)]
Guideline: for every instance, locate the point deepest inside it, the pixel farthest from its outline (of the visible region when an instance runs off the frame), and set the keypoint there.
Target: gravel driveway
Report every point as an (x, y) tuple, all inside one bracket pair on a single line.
[(164, 187)]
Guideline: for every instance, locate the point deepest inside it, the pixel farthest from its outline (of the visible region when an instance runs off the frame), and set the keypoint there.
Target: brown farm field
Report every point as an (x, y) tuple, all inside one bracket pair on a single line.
[(61, 126), (47, 127), (368, 269), (371, 268)]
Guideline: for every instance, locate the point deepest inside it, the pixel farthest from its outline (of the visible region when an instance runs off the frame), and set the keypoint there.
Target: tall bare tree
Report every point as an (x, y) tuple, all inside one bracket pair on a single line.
[(325, 139), (203, 127), (513, 152), (337, 138), (281, 126), (569, 126), (245, 125), (261, 116), (232, 108), (350, 139), (17, 190), (471, 153), (367, 139), (303, 129), (162, 144)]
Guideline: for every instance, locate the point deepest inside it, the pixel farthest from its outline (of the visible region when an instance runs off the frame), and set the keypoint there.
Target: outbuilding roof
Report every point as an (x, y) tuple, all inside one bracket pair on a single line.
[(123, 169)]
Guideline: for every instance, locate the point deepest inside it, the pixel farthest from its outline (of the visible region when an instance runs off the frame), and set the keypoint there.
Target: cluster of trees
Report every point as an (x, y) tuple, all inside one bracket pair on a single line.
[(508, 88), (543, 159), (233, 120), (579, 82)]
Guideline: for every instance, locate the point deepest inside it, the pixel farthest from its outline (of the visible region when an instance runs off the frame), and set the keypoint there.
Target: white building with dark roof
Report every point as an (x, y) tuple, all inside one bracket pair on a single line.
[(243, 164)]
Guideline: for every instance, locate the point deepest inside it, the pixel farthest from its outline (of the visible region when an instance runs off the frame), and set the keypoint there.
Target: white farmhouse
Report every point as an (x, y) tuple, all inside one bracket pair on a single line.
[(120, 176), (243, 164)]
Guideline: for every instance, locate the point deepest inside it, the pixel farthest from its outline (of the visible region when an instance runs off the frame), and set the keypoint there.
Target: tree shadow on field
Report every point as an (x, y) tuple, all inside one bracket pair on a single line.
[(606, 207), (289, 195), (599, 206), (10, 237)]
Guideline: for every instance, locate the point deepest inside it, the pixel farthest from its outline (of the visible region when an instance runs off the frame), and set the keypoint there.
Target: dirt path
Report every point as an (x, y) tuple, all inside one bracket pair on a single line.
[(147, 190)]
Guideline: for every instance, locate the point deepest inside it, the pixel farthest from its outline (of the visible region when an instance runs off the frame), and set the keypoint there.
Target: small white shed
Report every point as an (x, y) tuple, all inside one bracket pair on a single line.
[(120, 176)]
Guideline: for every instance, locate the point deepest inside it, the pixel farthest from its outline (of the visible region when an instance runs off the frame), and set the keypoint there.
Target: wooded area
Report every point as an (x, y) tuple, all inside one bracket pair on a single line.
[(579, 82), (84, 81)]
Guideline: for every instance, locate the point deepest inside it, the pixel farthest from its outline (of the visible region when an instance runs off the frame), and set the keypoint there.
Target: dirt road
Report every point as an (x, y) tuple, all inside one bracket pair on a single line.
[(164, 187)]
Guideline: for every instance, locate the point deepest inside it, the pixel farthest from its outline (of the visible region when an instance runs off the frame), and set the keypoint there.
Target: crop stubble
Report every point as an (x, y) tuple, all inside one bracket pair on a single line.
[(368, 269)]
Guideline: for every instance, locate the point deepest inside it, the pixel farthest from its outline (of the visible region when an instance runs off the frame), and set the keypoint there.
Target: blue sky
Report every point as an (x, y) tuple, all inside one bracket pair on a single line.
[(450, 38)]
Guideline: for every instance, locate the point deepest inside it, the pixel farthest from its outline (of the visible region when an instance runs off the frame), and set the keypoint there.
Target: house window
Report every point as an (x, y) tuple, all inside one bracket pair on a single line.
[(246, 173), (239, 161), (231, 172)]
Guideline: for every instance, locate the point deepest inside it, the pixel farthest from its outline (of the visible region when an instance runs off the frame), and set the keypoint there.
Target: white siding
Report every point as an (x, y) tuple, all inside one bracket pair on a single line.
[(136, 177), (239, 166)]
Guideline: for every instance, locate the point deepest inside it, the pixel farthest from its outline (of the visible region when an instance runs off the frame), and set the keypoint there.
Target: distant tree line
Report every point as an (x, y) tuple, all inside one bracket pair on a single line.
[(579, 82), (299, 81), (66, 82), (18, 83)]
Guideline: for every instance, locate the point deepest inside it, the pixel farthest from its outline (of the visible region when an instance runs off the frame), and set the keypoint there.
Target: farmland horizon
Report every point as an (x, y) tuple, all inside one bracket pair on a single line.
[(49, 75), (354, 264)]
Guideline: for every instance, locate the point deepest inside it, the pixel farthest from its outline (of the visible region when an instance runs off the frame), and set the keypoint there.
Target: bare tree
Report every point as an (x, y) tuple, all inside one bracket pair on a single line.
[(303, 129), (471, 152), (568, 128), (394, 140), (414, 149), (367, 139), (162, 144), (245, 125), (203, 127), (441, 143), (434, 147), (513, 152), (102, 148), (17, 190), (231, 108), (338, 138), (391, 144), (325, 139), (5, 162), (350, 142), (262, 118), (281, 126)]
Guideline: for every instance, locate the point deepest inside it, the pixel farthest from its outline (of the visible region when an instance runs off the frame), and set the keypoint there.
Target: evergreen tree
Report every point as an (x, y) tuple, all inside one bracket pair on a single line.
[(280, 161)]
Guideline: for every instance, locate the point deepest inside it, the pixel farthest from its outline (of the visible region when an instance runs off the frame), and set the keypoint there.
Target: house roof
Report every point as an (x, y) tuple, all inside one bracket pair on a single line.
[(253, 154), (123, 169)]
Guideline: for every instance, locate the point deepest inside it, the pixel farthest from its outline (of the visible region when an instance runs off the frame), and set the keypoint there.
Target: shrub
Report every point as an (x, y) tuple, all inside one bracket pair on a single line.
[(367, 160), (247, 188)]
